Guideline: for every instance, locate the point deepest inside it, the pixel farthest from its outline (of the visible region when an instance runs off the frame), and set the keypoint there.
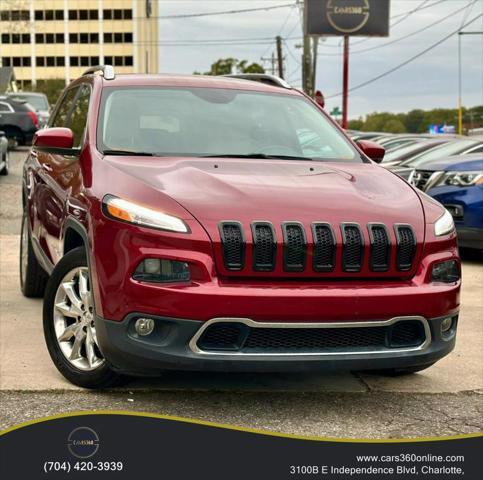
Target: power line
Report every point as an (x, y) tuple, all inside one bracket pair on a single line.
[(223, 12), (363, 50), (397, 67)]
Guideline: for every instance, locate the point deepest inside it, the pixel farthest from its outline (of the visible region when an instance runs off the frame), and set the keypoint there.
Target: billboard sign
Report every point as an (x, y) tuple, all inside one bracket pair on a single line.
[(347, 17)]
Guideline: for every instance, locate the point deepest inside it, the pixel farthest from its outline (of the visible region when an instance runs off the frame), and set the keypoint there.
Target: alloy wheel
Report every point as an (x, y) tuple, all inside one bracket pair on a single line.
[(74, 321)]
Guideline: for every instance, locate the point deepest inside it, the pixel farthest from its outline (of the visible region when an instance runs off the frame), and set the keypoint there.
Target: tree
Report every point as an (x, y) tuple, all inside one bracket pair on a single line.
[(394, 125), (225, 66), (355, 124)]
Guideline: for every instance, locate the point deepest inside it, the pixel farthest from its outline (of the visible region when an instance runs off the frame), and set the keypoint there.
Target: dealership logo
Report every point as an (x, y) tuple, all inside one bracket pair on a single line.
[(83, 442), (348, 16)]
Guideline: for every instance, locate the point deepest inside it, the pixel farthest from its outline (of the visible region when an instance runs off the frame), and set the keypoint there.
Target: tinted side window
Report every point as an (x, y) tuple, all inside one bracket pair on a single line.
[(61, 117), (78, 119)]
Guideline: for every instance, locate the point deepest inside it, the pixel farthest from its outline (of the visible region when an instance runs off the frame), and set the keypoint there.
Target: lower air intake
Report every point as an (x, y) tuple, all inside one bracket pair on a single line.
[(239, 337)]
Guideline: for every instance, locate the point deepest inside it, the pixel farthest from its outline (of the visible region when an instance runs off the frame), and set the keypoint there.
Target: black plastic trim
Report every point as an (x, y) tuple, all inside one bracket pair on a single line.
[(264, 267), (299, 267), (324, 268), (353, 267), (228, 266), (385, 267), (406, 266)]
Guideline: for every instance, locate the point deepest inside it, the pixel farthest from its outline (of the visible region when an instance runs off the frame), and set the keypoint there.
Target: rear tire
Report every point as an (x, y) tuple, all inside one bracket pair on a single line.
[(69, 328), (14, 136), (32, 276), (5, 168)]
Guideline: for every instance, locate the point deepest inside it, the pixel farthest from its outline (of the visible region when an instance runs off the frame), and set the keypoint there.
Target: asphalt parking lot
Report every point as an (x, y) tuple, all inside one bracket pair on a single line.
[(445, 400)]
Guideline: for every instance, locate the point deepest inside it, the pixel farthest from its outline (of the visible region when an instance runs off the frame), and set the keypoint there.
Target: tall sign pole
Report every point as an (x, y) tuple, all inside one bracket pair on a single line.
[(345, 82), (343, 18)]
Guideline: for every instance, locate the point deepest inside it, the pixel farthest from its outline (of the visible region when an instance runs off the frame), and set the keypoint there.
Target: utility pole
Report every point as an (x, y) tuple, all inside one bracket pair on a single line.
[(279, 56), (345, 82), (307, 67), (315, 48), (460, 104)]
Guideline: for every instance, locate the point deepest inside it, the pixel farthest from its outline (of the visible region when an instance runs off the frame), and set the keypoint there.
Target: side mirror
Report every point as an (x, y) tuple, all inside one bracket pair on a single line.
[(372, 149), (55, 140)]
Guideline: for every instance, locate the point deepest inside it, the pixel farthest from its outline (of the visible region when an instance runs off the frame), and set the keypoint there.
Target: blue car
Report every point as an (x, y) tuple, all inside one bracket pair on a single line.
[(457, 183)]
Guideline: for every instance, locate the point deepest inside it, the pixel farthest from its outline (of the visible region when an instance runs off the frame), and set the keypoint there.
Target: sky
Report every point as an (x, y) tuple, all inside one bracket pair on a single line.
[(430, 81)]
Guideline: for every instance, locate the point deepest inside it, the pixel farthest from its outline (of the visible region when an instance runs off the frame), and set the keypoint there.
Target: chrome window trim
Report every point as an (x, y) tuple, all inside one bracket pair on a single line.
[(251, 323)]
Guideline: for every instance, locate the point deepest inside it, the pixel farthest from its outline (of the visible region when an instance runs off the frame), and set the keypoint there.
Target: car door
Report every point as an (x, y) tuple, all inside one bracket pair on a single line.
[(59, 175), (64, 179)]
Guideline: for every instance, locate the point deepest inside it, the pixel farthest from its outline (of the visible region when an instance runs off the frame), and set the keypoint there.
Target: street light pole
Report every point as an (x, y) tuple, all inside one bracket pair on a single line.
[(460, 106)]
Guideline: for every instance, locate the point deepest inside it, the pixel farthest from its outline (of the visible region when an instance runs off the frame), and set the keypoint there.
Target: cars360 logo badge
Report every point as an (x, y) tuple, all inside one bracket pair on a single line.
[(83, 442), (348, 16)]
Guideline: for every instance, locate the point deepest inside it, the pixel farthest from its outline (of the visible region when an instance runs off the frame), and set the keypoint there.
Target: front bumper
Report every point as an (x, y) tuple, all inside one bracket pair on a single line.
[(172, 346)]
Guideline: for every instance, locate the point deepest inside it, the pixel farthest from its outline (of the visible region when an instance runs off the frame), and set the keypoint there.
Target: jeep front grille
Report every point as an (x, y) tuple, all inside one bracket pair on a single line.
[(316, 249)]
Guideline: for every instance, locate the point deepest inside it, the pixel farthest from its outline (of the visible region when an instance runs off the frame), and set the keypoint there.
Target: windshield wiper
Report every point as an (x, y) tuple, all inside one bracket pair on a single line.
[(256, 155), (128, 152)]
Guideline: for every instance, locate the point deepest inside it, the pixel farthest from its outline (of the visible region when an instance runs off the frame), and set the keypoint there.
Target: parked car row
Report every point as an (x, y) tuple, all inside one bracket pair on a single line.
[(21, 115), (448, 168)]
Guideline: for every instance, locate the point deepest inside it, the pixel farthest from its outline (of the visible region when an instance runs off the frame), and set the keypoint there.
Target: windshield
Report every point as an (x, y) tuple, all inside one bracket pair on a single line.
[(443, 151), (38, 102), (401, 152), (217, 122)]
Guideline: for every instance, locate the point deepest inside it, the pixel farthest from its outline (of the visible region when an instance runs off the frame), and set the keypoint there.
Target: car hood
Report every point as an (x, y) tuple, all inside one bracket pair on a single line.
[(215, 190), (454, 164)]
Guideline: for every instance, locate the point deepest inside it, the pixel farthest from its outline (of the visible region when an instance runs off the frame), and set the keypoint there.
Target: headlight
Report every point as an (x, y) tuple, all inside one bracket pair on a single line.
[(444, 224), (462, 179), (125, 211)]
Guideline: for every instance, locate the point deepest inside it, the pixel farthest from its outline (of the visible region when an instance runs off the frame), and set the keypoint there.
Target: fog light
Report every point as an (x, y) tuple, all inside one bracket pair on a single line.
[(162, 270), (144, 326), (446, 324), (446, 272)]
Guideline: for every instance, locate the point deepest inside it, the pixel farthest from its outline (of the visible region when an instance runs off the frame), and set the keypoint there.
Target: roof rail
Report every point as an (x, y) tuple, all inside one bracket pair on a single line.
[(107, 71), (261, 77)]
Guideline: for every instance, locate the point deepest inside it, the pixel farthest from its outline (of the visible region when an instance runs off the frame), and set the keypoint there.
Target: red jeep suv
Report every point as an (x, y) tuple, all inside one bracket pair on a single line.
[(228, 224)]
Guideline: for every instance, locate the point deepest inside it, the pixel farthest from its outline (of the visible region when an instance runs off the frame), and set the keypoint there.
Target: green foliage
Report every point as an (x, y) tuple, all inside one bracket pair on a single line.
[(417, 121), (52, 88), (225, 66), (355, 124)]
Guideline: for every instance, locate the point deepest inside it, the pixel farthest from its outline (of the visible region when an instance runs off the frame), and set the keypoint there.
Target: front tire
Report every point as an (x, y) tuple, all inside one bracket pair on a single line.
[(69, 328)]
